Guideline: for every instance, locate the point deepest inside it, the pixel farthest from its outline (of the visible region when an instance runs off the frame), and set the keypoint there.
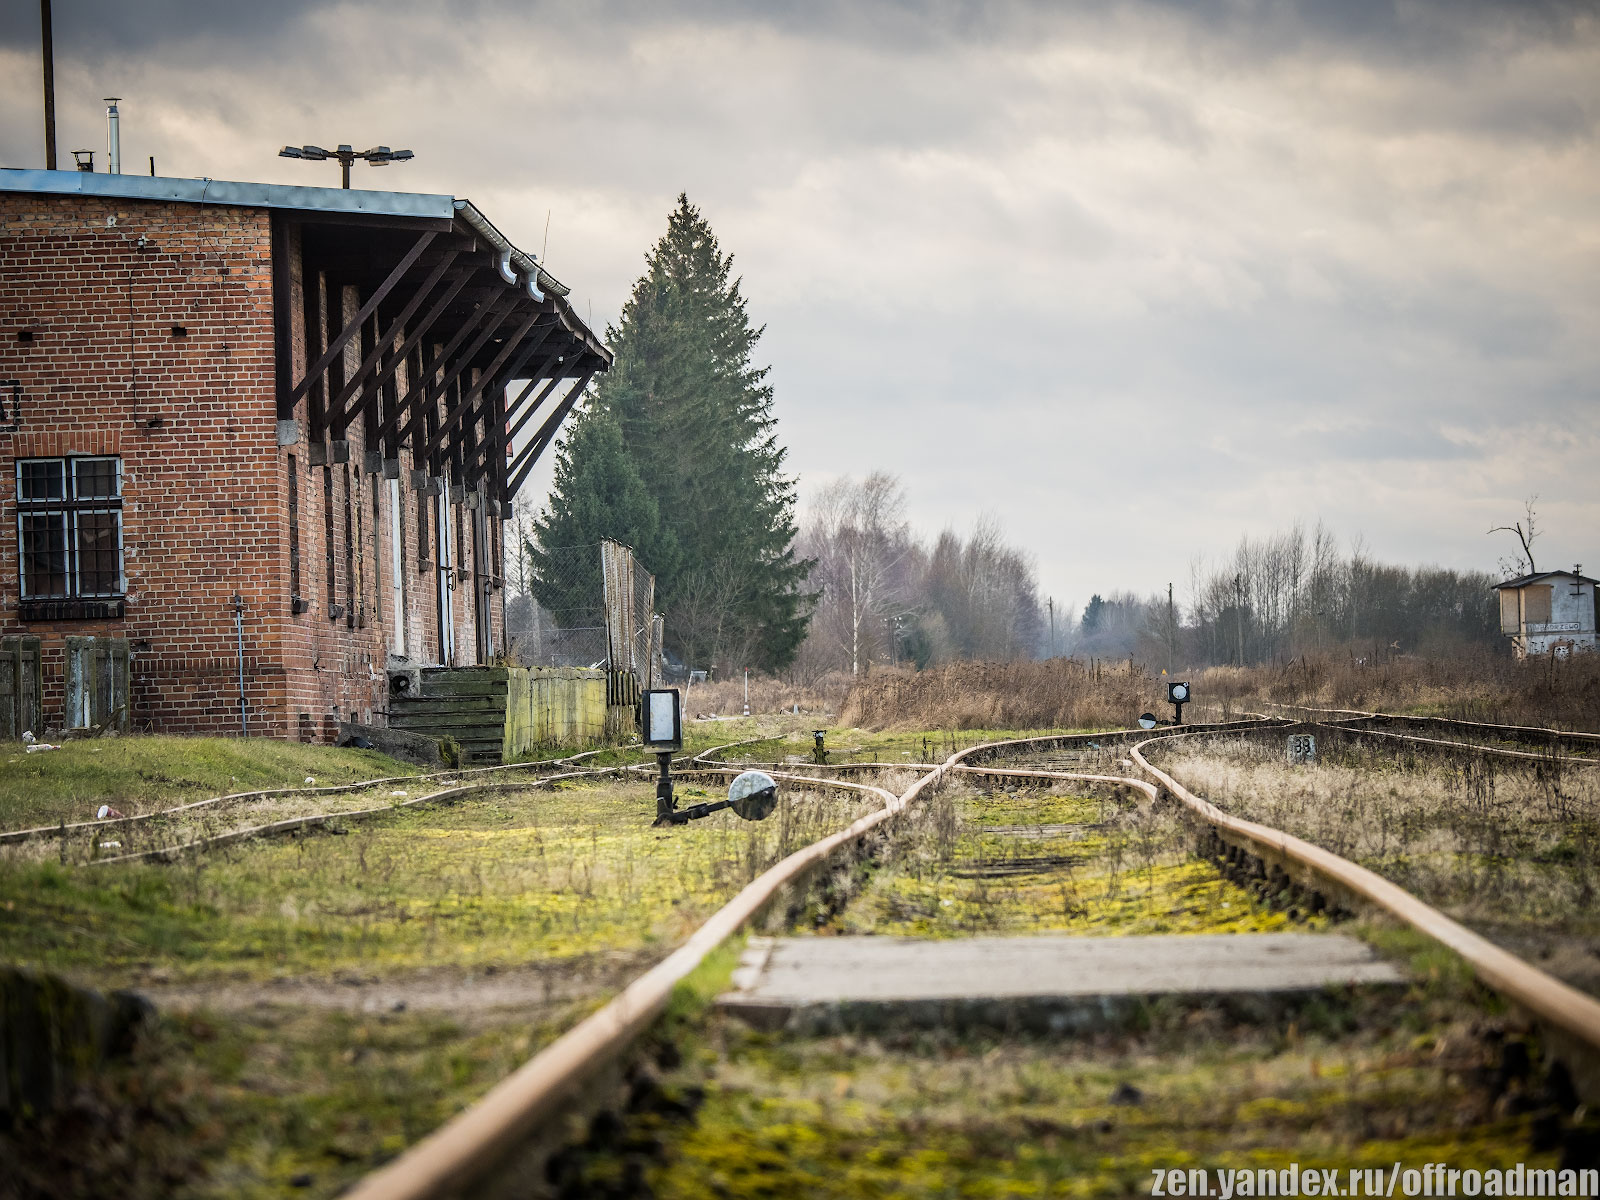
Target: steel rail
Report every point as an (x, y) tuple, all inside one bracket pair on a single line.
[(1473, 747), (13, 836), (1524, 732), (1573, 1016), (314, 820), (478, 1139)]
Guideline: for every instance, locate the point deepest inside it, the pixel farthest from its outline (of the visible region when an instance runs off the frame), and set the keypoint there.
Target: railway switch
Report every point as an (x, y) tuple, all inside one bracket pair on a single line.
[(752, 795)]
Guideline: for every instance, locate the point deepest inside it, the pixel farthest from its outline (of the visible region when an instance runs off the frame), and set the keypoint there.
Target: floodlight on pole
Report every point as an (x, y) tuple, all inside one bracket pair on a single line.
[(377, 156)]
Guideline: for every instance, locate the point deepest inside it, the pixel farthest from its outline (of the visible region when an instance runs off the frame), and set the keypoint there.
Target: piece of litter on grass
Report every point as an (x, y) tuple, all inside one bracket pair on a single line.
[(310, 780), (105, 810), (111, 845), (946, 903), (37, 746), (397, 793)]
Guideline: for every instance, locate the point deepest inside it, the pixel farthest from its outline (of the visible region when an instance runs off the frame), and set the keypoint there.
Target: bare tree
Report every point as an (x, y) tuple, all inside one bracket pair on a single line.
[(863, 548), (1522, 565)]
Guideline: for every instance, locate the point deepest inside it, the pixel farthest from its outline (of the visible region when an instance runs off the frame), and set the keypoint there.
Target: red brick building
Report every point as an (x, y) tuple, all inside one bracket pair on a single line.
[(296, 414)]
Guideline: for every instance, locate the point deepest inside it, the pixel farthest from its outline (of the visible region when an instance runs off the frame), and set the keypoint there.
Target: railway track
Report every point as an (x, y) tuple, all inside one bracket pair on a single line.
[(460, 784), (469, 1148)]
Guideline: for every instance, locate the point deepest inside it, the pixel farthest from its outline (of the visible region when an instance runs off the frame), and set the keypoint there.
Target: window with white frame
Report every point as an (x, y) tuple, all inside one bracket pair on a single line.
[(69, 528)]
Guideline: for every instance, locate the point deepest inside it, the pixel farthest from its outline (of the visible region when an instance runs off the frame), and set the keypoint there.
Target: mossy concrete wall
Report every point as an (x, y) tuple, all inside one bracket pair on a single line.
[(554, 706)]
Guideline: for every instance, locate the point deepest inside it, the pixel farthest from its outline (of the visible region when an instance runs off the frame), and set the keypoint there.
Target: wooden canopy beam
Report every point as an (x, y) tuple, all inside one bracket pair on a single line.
[(336, 414), (526, 415), (517, 472), (336, 347), (487, 320), (490, 372)]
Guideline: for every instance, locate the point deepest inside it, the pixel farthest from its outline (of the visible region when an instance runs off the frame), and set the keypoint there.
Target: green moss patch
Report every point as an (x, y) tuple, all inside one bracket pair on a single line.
[(1026, 861)]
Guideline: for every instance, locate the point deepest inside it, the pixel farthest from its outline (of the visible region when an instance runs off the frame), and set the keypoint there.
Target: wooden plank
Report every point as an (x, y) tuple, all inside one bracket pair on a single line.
[(493, 315), (519, 470), (10, 687)]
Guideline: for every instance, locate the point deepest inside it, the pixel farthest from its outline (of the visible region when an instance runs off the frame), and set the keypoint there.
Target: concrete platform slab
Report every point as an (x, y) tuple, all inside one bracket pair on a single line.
[(1048, 982)]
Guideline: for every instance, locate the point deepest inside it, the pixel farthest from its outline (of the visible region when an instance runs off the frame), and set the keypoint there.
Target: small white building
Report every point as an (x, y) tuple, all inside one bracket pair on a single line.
[(1549, 612)]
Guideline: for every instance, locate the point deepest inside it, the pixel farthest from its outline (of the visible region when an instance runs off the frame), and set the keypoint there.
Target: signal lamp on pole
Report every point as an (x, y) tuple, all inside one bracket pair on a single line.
[(1178, 694)]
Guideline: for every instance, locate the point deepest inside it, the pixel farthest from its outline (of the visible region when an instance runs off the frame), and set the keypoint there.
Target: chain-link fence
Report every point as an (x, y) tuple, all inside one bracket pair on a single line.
[(584, 606)]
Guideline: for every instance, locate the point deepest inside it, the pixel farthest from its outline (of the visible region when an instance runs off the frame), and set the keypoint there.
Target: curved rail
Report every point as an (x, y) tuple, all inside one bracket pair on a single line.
[(315, 820), (1574, 1016), (479, 1139), (463, 1149), (1471, 747), (14, 836)]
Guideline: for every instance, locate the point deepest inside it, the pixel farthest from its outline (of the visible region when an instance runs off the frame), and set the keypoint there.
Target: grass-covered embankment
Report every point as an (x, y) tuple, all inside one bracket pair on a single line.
[(139, 773)]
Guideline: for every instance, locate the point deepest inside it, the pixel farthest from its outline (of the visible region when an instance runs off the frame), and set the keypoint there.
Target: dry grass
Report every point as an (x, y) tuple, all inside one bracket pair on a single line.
[(1062, 693), (768, 694), (1559, 693), (1511, 850), (1065, 693)]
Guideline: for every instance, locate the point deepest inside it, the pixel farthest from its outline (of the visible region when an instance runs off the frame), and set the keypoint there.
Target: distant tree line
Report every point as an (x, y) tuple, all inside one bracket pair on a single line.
[(887, 596), (1290, 593)]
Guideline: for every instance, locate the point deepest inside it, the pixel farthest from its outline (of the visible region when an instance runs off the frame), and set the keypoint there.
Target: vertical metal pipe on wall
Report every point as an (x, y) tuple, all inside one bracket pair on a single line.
[(238, 624)]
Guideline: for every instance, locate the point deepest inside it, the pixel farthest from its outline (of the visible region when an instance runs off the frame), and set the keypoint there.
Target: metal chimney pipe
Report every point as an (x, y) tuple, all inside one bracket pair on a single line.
[(113, 135)]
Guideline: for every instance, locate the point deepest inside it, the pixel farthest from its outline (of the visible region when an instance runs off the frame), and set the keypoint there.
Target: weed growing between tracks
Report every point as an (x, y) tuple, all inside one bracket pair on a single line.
[(1353, 1080), (283, 1063), (1512, 850), (1003, 860)]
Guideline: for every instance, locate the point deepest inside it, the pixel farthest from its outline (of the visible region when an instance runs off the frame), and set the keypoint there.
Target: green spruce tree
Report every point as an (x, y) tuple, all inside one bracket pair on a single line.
[(694, 417), (597, 493)]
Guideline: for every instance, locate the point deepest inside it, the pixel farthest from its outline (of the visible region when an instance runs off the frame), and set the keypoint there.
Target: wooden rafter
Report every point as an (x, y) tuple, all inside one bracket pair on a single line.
[(369, 364), (472, 393), (423, 391), (456, 367), (517, 472), (336, 347)]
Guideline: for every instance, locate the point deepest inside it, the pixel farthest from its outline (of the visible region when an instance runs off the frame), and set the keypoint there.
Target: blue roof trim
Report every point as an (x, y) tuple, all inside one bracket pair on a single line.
[(222, 191)]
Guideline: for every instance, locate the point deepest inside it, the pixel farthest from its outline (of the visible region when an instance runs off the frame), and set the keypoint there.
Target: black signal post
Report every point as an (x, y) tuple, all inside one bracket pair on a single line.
[(661, 715), (1178, 694)]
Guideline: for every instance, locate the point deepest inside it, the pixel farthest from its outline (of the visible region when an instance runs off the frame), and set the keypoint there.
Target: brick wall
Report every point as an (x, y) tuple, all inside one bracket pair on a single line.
[(206, 482)]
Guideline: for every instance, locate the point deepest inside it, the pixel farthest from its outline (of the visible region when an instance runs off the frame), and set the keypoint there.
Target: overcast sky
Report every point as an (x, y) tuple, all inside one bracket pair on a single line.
[(1136, 278)]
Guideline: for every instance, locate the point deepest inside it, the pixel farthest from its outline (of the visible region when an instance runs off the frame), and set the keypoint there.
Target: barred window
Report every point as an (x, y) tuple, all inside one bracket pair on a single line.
[(69, 527)]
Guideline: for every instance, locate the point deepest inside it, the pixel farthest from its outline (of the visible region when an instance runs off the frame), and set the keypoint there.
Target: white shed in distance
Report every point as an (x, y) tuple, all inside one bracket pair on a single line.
[(1549, 612)]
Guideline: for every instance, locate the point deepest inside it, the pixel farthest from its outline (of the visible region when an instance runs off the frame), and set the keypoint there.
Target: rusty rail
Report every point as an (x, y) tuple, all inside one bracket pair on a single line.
[(1570, 1015), (476, 1142)]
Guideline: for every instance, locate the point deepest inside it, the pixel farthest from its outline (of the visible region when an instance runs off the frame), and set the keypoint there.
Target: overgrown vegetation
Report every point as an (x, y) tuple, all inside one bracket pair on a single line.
[(1074, 693), (1510, 849), (995, 859), (1061, 693), (327, 999)]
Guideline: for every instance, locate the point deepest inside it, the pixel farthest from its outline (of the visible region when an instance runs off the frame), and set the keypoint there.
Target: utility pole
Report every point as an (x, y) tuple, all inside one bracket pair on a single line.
[(48, 46), (1052, 603), (1172, 631), (1238, 610)]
